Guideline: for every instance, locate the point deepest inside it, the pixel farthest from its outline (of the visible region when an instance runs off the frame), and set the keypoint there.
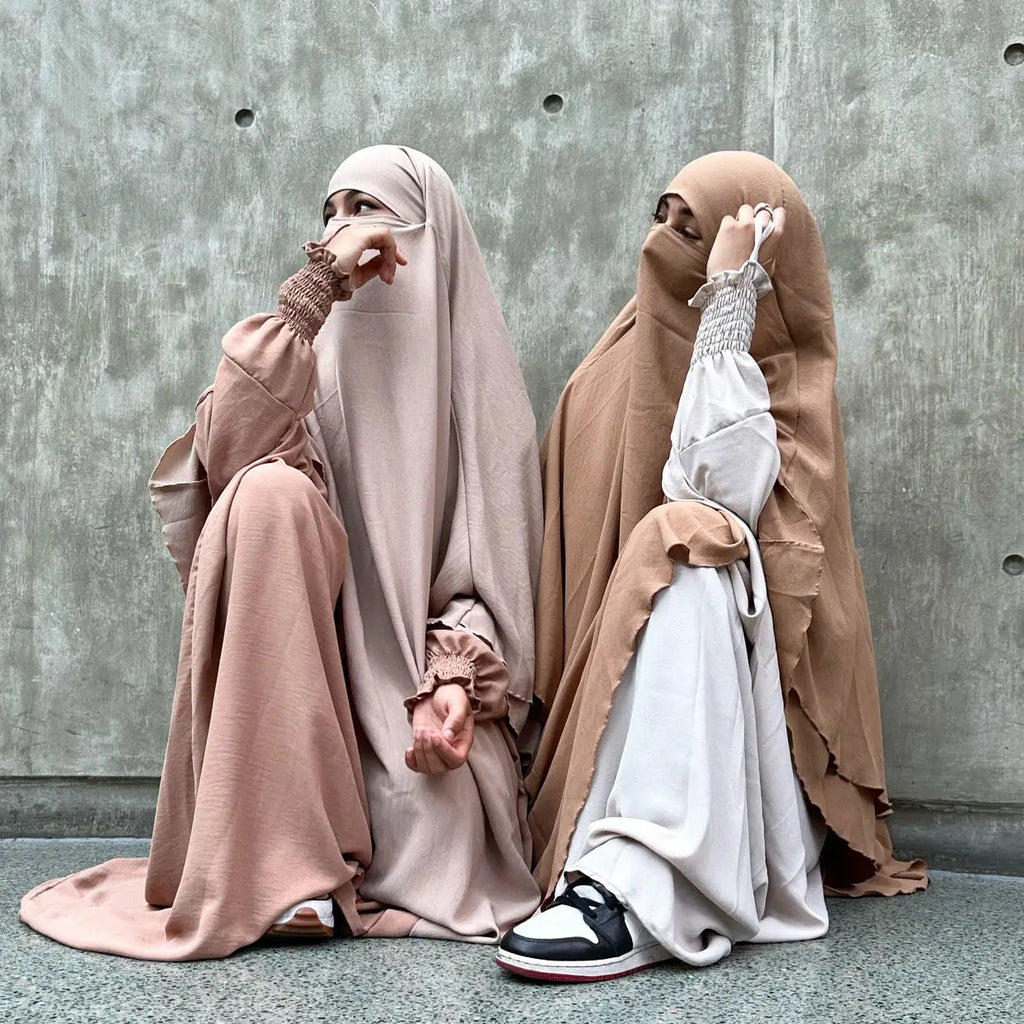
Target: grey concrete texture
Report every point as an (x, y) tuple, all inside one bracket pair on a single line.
[(950, 954), (76, 807), (140, 221), (978, 838)]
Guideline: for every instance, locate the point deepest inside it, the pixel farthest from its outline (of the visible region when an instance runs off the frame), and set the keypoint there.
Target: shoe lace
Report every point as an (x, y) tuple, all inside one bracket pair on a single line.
[(585, 905)]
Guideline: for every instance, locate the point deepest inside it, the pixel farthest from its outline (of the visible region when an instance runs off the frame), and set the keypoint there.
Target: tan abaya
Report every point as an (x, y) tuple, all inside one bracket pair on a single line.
[(603, 458)]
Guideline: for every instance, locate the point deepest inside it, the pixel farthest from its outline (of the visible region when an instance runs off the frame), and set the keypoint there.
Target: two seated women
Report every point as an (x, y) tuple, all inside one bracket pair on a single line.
[(358, 523)]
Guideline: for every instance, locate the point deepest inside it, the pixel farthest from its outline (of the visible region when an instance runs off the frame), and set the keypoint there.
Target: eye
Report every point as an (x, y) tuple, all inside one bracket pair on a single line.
[(659, 216), (366, 206), (689, 233)]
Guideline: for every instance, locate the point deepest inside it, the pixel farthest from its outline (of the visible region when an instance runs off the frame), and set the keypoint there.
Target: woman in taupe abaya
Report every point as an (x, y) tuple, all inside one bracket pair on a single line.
[(712, 758), (356, 519)]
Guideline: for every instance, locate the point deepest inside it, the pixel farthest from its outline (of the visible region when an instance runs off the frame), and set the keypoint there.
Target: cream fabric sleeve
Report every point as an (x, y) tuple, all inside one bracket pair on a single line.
[(724, 444)]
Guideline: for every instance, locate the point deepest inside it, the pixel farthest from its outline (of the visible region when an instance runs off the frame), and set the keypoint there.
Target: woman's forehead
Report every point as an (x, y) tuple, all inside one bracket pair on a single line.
[(720, 183), (388, 174), (673, 198)]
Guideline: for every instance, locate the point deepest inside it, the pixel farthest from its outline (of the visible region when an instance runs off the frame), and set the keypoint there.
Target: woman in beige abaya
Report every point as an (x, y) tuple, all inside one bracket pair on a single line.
[(356, 519)]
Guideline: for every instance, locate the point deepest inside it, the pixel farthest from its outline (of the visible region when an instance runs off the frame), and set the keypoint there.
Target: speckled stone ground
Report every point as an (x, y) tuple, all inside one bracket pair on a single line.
[(950, 955)]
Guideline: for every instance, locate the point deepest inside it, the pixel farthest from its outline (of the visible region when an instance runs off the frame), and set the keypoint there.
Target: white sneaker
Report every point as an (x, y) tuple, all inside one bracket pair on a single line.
[(310, 919)]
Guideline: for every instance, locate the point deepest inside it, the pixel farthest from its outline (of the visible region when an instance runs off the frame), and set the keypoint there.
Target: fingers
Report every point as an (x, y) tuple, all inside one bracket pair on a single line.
[(451, 755), (363, 272), (456, 720), (456, 734), (464, 740), (745, 217), (423, 755), (349, 247), (382, 266), (442, 728), (432, 757), (380, 238), (771, 216), (431, 754), (778, 221)]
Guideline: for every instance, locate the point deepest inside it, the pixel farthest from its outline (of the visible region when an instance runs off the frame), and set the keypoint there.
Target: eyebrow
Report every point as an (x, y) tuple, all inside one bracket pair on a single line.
[(663, 201)]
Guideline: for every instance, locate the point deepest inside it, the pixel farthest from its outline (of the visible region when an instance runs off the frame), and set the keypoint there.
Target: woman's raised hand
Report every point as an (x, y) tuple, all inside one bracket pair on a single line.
[(734, 242), (350, 242)]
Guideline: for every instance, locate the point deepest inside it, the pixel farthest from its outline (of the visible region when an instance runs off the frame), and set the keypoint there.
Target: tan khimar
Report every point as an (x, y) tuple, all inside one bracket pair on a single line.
[(285, 759), (602, 462)]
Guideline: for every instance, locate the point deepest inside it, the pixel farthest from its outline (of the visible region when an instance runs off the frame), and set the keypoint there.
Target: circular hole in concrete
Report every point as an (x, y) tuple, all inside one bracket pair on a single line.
[(1014, 54), (244, 117), (1013, 565), (553, 104)]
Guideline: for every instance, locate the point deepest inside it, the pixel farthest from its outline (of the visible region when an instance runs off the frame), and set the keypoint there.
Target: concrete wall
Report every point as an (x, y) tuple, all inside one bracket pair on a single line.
[(139, 221)]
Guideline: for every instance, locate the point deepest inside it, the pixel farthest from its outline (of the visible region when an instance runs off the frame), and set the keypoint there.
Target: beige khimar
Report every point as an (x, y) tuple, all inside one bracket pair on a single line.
[(381, 448), (602, 465)]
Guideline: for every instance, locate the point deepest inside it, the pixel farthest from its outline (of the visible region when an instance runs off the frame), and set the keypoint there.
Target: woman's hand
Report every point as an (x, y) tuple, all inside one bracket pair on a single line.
[(442, 731), (735, 239), (350, 242)]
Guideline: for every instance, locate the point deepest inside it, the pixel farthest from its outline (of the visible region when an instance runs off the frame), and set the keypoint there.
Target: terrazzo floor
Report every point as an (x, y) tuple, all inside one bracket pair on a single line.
[(953, 954)]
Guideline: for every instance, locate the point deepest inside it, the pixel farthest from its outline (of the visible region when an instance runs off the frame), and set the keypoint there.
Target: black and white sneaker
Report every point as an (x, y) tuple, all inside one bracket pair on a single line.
[(586, 934)]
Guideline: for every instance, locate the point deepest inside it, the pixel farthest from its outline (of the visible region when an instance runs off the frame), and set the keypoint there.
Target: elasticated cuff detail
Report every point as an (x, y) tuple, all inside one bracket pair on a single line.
[(305, 299), (447, 668), (727, 303)]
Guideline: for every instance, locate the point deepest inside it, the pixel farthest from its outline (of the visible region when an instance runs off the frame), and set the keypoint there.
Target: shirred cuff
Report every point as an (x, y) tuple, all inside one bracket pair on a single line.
[(442, 668), (731, 278), (458, 656), (305, 299), (727, 303)]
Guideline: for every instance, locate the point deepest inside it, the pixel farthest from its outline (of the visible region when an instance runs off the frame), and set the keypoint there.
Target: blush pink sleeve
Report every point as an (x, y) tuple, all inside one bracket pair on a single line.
[(265, 382), (456, 656)]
